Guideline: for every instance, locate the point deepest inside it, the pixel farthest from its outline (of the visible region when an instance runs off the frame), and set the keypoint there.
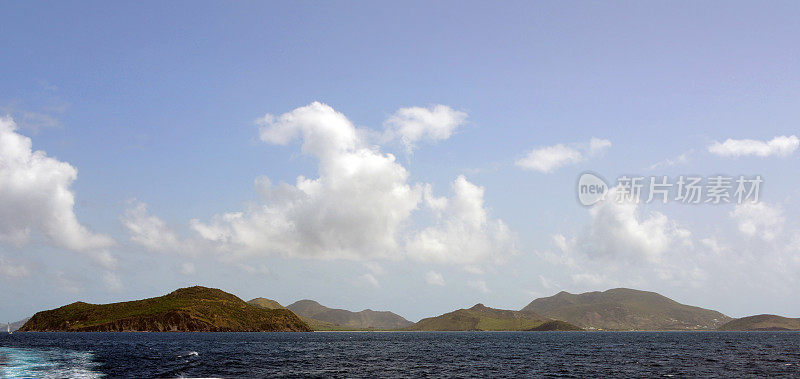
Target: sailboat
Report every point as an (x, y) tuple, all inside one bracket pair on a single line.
[(8, 328)]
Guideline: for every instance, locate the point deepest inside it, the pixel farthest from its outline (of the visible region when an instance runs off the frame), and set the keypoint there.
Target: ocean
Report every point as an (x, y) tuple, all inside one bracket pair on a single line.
[(400, 354)]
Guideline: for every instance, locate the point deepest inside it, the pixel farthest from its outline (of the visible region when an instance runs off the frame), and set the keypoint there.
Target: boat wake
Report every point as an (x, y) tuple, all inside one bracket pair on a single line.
[(47, 363)]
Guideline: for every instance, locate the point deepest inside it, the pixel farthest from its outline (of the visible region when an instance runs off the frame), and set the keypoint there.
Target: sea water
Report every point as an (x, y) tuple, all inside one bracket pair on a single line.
[(400, 354)]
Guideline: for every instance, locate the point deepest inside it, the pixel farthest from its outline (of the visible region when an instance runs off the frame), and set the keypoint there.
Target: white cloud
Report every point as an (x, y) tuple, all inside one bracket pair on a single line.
[(416, 124), (464, 233), (781, 146), (549, 158), (434, 278), (759, 220), (598, 145), (370, 280), (36, 197), (152, 232), (359, 207), (546, 283), (619, 228), (479, 285), (355, 209), (624, 245), (9, 269), (713, 245)]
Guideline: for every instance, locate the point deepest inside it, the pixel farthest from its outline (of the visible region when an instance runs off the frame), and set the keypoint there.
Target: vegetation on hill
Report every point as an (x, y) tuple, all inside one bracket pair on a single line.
[(480, 317), (626, 309), (184, 310), (762, 323), (321, 317), (316, 325), (555, 326), (266, 303)]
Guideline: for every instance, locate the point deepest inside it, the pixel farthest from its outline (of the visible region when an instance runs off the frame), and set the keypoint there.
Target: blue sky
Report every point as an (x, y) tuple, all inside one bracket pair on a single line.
[(156, 107)]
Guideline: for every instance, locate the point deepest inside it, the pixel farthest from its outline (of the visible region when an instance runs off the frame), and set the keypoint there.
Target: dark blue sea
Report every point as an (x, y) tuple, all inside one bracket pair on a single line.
[(413, 354)]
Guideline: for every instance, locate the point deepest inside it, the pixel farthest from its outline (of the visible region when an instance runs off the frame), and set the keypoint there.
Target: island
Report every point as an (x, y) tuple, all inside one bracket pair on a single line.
[(193, 309)]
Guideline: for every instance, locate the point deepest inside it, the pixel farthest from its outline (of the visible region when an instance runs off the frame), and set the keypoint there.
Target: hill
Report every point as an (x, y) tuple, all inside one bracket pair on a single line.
[(481, 317), (762, 323), (324, 318), (266, 303), (626, 309), (193, 309), (14, 325), (314, 324), (555, 326)]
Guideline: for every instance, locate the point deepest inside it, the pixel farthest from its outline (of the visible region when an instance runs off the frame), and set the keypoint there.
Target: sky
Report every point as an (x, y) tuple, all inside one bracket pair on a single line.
[(417, 157)]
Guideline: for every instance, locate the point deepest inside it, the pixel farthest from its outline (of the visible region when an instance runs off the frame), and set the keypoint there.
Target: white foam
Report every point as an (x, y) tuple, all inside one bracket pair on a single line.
[(47, 363)]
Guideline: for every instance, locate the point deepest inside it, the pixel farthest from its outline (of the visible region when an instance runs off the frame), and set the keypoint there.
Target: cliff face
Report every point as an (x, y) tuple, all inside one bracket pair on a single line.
[(195, 309)]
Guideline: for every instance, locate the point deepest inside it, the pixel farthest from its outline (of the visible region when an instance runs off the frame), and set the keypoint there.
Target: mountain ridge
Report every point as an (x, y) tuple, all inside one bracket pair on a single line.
[(626, 309), (363, 320)]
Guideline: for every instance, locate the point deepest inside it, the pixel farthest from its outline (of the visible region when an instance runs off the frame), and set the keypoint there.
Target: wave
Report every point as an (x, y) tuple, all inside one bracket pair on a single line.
[(47, 363)]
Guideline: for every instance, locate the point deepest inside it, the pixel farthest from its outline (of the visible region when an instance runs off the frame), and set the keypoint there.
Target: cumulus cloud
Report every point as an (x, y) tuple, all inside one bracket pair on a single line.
[(355, 209), (151, 232), (464, 233), (759, 220), (37, 199), (434, 278), (360, 205), (780, 146), (549, 158), (623, 244), (621, 228), (415, 124)]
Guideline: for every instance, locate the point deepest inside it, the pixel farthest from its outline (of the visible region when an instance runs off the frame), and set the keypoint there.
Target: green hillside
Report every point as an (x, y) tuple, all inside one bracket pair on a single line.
[(626, 309), (187, 309), (480, 317), (321, 317), (762, 323)]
